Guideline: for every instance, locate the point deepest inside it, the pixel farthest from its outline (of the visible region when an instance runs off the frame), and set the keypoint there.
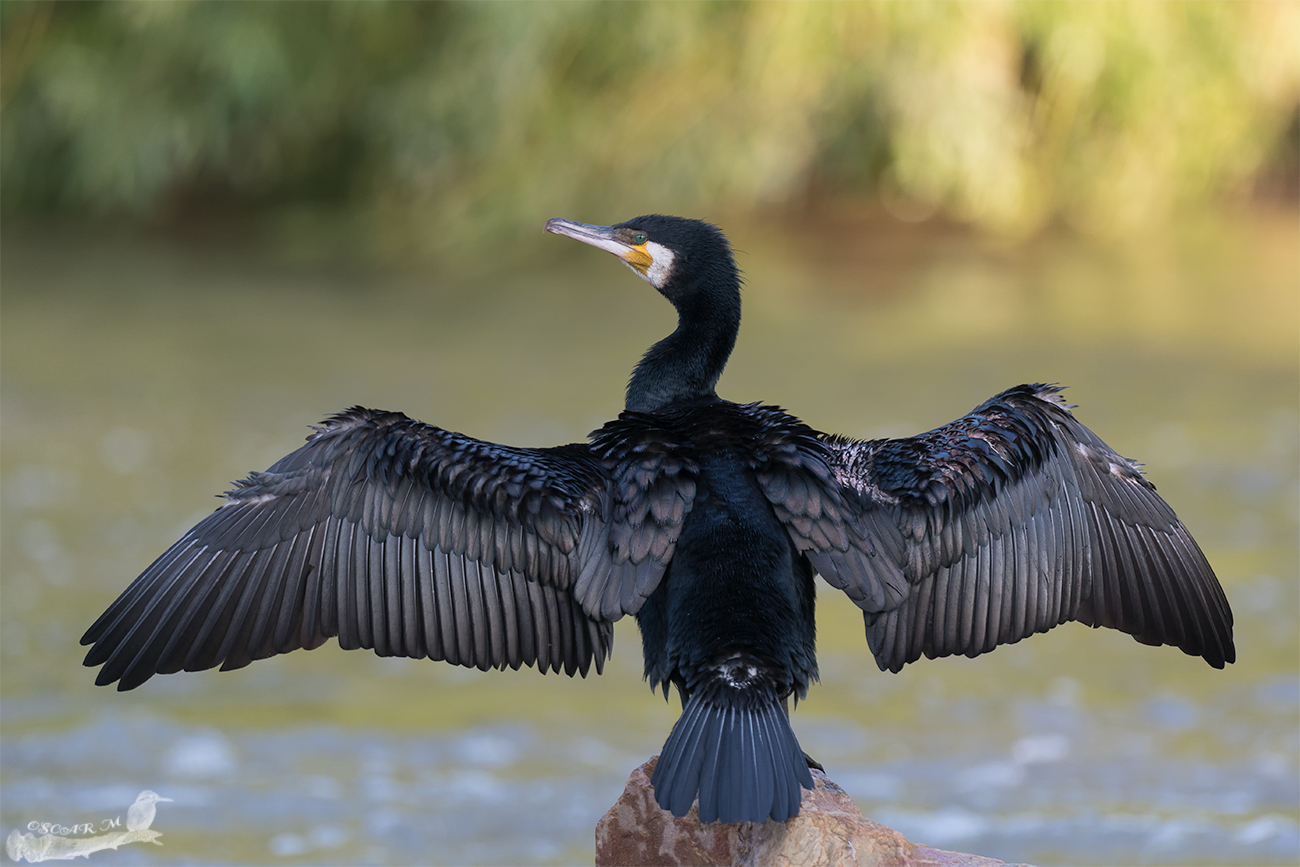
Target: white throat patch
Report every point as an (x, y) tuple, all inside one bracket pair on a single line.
[(661, 265)]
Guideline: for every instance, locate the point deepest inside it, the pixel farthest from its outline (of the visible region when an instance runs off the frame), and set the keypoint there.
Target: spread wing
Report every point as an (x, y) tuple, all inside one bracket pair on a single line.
[(1013, 519), (389, 534)]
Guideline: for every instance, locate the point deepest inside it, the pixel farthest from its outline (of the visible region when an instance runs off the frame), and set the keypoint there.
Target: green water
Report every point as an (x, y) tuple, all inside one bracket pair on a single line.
[(141, 376)]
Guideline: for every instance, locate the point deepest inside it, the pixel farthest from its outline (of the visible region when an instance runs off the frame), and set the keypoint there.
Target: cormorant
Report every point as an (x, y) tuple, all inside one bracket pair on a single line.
[(704, 519)]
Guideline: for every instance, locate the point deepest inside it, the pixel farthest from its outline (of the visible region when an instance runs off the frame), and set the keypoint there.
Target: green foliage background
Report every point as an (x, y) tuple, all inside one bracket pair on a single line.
[(429, 126)]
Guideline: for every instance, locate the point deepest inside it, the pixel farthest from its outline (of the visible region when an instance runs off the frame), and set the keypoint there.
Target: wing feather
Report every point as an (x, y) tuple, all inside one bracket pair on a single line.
[(203, 652), (189, 620), (236, 650), (166, 611), (982, 625), (412, 613), (389, 535), (1012, 520), (444, 646)]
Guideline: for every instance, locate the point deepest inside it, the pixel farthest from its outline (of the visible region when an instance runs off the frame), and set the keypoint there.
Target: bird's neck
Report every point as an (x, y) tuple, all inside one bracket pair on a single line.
[(686, 364)]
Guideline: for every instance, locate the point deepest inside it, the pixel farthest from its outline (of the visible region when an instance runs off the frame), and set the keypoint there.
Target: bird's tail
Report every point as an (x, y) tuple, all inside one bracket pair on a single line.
[(733, 745)]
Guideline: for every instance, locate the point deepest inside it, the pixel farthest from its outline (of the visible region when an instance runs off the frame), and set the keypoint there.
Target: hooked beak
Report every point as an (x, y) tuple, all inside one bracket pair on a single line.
[(603, 237)]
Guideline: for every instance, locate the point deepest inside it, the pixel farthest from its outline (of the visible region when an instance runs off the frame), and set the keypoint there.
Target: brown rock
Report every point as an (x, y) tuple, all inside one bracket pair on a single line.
[(829, 830)]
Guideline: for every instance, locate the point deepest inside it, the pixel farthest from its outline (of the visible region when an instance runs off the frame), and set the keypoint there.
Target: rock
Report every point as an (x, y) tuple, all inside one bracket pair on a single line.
[(829, 830)]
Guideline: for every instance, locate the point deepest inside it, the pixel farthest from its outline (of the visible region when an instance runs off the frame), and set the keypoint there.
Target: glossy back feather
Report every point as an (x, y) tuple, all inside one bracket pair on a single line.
[(653, 460)]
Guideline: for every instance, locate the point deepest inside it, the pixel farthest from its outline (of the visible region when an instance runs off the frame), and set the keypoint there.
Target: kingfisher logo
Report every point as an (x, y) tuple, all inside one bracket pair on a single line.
[(48, 841)]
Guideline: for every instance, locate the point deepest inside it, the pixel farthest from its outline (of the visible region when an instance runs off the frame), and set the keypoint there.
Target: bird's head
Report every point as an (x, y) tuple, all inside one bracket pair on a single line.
[(691, 265), (678, 256)]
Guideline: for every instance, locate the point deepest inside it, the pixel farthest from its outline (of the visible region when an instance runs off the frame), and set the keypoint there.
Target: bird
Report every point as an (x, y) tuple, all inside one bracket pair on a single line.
[(704, 519), (139, 816)]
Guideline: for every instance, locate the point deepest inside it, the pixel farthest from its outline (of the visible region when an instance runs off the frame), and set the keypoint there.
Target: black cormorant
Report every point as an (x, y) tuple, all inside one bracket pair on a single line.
[(705, 519)]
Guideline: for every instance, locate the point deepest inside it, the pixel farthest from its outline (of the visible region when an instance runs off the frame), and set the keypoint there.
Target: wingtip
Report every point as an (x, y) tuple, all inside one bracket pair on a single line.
[(1219, 661)]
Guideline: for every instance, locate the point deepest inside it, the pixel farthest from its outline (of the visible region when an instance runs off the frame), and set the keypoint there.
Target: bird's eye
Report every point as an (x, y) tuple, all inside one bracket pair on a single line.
[(639, 238)]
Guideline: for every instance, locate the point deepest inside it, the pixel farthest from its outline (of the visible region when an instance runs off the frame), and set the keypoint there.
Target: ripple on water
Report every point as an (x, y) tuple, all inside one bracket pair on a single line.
[(491, 795)]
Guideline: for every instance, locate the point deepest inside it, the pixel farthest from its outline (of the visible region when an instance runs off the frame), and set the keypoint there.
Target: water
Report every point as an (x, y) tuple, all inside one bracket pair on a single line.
[(140, 377)]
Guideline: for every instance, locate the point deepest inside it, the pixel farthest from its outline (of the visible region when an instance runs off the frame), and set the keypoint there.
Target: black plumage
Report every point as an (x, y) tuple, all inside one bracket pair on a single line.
[(705, 519)]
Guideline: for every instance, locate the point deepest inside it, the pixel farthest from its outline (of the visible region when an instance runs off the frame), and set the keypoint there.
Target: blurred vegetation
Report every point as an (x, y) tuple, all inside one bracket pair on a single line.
[(434, 127)]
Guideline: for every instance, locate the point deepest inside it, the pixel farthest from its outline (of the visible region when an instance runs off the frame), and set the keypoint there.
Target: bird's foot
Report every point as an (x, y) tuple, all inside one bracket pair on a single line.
[(813, 763)]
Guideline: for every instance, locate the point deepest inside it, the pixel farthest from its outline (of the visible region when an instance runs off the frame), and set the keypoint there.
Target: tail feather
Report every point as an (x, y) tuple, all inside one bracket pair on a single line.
[(690, 759), (787, 772), (755, 769), (740, 756), (712, 801)]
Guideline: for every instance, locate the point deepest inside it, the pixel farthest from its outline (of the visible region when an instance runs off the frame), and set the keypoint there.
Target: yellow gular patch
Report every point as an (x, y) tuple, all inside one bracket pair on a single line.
[(638, 258)]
